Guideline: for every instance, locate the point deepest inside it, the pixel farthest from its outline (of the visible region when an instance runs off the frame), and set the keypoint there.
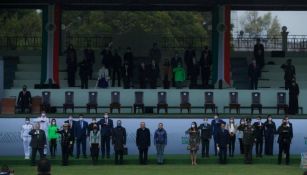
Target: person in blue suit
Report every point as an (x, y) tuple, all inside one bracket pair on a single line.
[(81, 135), (222, 143), (215, 126), (106, 126)]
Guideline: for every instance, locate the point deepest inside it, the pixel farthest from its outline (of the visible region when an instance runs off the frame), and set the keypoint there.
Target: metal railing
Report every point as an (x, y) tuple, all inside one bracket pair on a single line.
[(95, 41), (20, 42)]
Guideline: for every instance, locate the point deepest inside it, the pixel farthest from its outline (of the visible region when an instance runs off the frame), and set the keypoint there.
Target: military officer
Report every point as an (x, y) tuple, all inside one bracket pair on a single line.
[(66, 142), (248, 140)]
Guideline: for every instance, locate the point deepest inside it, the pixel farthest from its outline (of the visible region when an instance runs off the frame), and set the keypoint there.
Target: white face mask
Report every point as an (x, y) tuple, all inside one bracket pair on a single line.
[(70, 118), (81, 119), (27, 121), (192, 126), (231, 121), (205, 121), (215, 117), (242, 123), (53, 123)]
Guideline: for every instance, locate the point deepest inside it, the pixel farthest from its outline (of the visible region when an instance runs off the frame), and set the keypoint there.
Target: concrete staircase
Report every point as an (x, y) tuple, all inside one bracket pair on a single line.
[(239, 70)]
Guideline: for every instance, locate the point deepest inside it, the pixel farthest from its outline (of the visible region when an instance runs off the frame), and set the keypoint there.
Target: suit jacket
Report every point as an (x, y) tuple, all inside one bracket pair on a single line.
[(80, 132), (216, 125), (206, 131), (38, 138), (66, 137), (143, 138), (72, 127), (105, 128), (24, 99), (259, 130), (222, 138), (119, 137), (253, 72)]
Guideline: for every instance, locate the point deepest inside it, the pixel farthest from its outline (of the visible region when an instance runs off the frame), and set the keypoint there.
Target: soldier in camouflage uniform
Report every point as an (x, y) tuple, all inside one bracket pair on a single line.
[(248, 140)]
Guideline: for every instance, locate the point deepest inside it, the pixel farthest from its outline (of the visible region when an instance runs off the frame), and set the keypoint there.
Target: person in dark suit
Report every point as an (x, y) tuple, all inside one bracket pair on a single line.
[(106, 126), (126, 75), (216, 125), (107, 55), (84, 73), (24, 100), (294, 92), (89, 55), (222, 143), (253, 74), (194, 73), (289, 75), (259, 134), (269, 133), (116, 65), (205, 63), (81, 135), (153, 74), (129, 59), (143, 142), (66, 142), (189, 54), (142, 75), (284, 140), (91, 125), (259, 53), (38, 142), (71, 125), (206, 135), (248, 140), (71, 65), (119, 138)]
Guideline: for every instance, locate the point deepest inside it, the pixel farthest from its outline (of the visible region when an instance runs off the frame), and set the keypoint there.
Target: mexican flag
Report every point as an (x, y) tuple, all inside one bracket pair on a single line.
[(221, 44)]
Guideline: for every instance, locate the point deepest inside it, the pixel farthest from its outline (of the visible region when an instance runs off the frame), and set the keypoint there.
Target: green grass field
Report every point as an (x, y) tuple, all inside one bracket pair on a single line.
[(174, 165)]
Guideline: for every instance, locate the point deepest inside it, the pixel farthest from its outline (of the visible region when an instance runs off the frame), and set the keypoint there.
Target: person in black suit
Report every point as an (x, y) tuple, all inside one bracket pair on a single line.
[(205, 66), (89, 55), (116, 68), (128, 58), (259, 134), (81, 135), (294, 92), (71, 125), (259, 53), (38, 142), (216, 126), (285, 135), (142, 75), (84, 73), (289, 75), (24, 100), (106, 54), (71, 65), (106, 126), (194, 73), (119, 138), (253, 74), (153, 74), (222, 143), (269, 133), (143, 142), (189, 54), (127, 75), (66, 142), (206, 136), (91, 125)]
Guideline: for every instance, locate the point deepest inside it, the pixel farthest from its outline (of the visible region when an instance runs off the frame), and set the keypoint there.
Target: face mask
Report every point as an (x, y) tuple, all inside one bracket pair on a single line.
[(53, 123), (80, 119), (215, 117), (242, 123), (259, 121), (105, 117), (27, 122), (43, 115), (205, 121), (270, 119), (94, 121), (119, 124), (231, 121), (192, 126), (70, 118)]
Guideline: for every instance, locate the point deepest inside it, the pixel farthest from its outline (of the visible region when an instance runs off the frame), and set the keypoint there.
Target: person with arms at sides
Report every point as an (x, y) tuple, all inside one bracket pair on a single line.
[(142, 75), (103, 77), (44, 167), (269, 133), (222, 143), (206, 135), (259, 53), (43, 121), (284, 140), (216, 126), (174, 63), (84, 71), (240, 131), (38, 142), (294, 92), (66, 142), (116, 65), (232, 128), (289, 73), (127, 75), (53, 137), (205, 66), (160, 141), (71, 124), (153, 74), (253, 74), (194, 73), (143, 143), (119, 138), (91, 125), (180, 76), (89, 55), (107, 55), (248, 140), (194, 141), (71, 65), (259, 134), (155, 54), (26, 138), (289, 124), (106, 126), (189, 54), (129, 58), (94, 140), (24, 100), (80, 135)]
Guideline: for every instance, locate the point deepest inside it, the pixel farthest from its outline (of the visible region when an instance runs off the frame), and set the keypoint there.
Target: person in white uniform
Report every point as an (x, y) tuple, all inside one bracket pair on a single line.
[(44, 123), (26, 138)]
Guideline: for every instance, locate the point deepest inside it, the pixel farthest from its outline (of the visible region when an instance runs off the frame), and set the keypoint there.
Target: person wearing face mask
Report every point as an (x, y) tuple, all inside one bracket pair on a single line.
[(38, 142), (259, 134), (143, 142), (232, 128), (94, 140), (194, 140), (106, 126), (222, 143), (248, 140), (206, 136), (119, 138), (216, 125), (91, 125), (71, 124), (26, 138), (52, 137), (66, 142), (240, 134), (80, 135), (24, 100), (269, 132), (160, 141), (284, 141), (43, 123)]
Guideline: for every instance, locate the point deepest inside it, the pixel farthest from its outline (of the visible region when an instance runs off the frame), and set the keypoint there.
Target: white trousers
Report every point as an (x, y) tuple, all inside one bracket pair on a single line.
[(26, 146)]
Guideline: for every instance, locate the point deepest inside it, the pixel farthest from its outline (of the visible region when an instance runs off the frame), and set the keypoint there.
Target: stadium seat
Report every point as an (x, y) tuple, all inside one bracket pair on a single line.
[(69, 101), (92, 102), (281, 102), (139, 101), (256, 103), (162, 102), (185, 101), (233, 102), (46, 106), (209, 102), (115, 101)]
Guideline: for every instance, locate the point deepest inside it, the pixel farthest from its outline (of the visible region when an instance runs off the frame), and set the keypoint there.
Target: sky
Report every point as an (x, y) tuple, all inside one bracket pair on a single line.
[(295, 21)]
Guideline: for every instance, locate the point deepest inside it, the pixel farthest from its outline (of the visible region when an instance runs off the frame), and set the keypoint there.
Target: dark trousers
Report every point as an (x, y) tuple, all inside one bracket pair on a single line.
[(24, 108), (193, 82), (53, 146), (232, 143), (215, 149), (259, 147), (241, 146), (126, 82), (115, 73), (248, 153), (223, 155), (83, 143), (153, 83), (205, 76), (119, 154), (33, 156), (84, 82), (254, 83), (205, 147), (268, 148), (143, 152), (94, 152), (65, 154), (142, 83), (284, 148), (105, 146), (71, 148), (71, 78), (287, 84)]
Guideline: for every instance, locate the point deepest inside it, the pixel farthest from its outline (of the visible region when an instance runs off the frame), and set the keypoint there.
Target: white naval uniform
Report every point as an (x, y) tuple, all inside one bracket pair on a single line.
[(44, 123), (26, 138)]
